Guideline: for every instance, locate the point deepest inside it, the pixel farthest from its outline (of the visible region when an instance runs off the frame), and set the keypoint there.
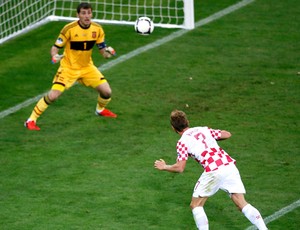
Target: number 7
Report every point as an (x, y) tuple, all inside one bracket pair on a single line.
[(201, 135)]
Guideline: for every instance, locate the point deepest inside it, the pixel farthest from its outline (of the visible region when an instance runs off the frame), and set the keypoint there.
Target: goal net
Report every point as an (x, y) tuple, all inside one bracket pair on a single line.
[(20, 16)]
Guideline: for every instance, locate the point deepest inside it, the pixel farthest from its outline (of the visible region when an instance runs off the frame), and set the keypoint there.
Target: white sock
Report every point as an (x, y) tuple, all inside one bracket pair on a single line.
[(200, 218), (254, 216)]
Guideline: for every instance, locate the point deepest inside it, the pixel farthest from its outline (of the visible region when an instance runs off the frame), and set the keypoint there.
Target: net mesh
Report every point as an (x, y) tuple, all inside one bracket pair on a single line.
[(18, 16), (160, 11)]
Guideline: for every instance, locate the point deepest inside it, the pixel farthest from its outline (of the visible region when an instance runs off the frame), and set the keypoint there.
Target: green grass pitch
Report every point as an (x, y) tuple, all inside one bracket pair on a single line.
[(239, 73)]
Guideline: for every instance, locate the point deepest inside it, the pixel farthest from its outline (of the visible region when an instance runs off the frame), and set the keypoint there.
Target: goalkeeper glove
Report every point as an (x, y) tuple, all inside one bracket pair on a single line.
[(56, 58), (111, 51)]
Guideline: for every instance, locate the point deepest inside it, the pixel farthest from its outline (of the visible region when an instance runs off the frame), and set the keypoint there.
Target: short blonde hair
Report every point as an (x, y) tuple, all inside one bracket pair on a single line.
[(179, 120)]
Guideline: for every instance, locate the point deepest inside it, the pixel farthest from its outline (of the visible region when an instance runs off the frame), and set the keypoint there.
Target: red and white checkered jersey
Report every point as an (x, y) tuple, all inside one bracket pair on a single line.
[(200, 143)]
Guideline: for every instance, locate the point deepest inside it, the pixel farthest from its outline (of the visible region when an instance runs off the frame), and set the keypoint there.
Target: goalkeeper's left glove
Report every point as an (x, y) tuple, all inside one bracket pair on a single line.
[(56, 58), (110, 51)]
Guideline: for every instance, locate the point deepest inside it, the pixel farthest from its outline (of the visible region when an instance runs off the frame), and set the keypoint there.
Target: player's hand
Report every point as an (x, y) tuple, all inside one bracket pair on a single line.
[(56, 58), (110, 51), (160, 164)]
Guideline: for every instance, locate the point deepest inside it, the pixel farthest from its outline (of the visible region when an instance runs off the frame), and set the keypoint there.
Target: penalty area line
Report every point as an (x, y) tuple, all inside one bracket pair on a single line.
[(279, 213), (140, 50), (20, 106)]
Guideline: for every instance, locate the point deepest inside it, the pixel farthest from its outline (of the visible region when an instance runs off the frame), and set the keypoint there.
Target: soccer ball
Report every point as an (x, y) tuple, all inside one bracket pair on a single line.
[(144, 26)]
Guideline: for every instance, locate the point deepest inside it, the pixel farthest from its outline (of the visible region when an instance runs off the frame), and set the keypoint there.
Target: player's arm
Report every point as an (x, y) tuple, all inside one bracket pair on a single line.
[(106, 51), (54, 50), (54, 54), (224, 135), (178, 167)]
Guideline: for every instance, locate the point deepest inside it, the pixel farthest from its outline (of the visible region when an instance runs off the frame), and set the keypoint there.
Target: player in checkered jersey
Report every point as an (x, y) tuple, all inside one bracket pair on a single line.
[(220, 172)]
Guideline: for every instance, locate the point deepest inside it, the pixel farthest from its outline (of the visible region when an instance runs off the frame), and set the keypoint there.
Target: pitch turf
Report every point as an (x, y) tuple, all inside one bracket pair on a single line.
[(80, 171)]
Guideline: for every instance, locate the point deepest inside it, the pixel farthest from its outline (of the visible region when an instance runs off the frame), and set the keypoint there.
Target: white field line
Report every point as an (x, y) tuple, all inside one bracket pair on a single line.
[(279, 213), (140, 50)]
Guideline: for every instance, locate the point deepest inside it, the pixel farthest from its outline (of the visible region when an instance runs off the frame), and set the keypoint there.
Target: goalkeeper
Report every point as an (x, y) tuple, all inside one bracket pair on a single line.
[(76, 65)]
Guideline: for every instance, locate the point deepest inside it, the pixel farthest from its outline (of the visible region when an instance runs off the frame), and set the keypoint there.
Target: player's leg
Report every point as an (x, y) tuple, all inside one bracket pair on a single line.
[(199, 214), (40, 108), (207, 185), (104, 97), (61, 82), (251, 213), (92, 77), (232, 183)]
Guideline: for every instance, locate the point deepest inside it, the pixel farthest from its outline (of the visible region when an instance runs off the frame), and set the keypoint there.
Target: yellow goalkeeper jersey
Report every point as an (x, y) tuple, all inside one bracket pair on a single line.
[(78, 44)]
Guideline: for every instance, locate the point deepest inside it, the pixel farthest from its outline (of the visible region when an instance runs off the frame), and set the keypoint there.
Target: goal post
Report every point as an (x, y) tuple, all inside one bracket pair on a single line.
[(189, 17), (20, 16)]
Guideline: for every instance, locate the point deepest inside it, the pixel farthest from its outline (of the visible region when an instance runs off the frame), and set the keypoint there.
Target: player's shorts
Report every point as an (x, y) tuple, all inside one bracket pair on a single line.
[(88, 76), (226, 178)]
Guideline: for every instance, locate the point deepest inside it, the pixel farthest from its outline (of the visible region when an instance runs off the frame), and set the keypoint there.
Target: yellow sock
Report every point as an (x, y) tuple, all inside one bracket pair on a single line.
[(39, 108), (102, 103)]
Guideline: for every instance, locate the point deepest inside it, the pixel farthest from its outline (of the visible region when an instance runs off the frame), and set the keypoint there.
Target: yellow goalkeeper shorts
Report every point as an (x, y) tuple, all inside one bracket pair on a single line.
[(65, 78)]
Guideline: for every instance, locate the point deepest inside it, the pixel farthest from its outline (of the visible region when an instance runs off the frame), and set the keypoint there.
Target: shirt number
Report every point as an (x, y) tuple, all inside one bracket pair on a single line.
[(201, 137)]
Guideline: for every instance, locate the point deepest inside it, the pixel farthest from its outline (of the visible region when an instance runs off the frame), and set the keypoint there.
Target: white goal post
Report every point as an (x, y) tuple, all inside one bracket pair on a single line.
[(20, 16)]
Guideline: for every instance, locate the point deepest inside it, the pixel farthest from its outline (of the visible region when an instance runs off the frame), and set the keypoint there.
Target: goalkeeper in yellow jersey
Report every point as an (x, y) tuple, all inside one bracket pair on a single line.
[(76, 65)]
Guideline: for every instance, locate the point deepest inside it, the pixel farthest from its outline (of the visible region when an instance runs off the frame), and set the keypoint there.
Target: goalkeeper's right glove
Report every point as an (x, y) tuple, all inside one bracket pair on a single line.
[(56, 58)]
